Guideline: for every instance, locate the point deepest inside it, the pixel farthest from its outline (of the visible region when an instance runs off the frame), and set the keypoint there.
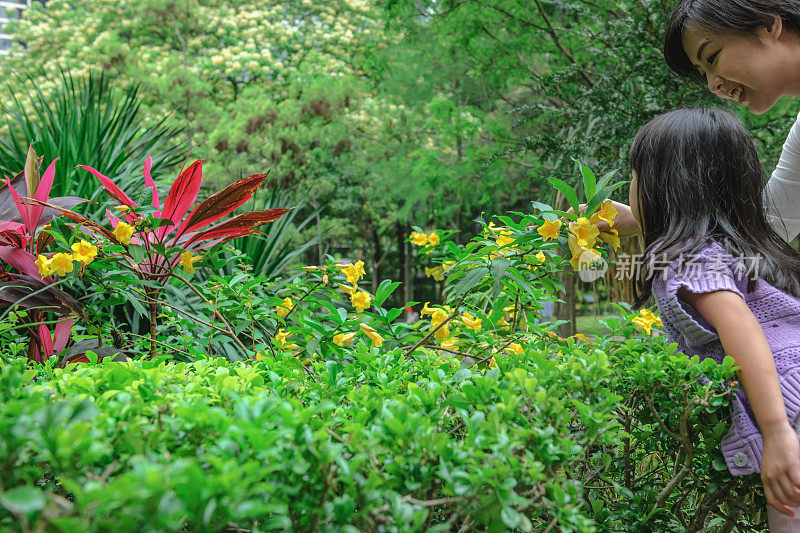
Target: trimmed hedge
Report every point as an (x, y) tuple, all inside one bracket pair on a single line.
[(618, 435)]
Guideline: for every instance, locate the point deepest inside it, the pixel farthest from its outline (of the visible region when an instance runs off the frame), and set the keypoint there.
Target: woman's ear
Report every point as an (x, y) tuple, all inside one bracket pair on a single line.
[(772, 32)]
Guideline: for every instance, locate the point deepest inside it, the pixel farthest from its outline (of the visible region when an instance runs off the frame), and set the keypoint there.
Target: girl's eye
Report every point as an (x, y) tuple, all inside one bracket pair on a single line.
[(712, 57)]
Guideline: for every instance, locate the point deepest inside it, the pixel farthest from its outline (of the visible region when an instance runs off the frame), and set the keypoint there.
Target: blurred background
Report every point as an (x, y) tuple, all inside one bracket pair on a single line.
[(373, 118)]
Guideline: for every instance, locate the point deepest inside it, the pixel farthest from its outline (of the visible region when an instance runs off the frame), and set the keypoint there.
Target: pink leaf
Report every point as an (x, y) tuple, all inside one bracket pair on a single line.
[(238, 226), (148, 182), (62, 333), (111, 187), (42, 193), (221, 203), (22, 260), (21, 207), (181, 196), (47, 340)]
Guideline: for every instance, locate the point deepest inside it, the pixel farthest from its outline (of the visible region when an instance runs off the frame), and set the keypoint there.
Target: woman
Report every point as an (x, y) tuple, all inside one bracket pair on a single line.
[(747, 51)]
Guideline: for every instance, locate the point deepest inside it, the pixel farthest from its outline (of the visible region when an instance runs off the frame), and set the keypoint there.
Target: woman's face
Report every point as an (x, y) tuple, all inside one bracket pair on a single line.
[(753, 71)]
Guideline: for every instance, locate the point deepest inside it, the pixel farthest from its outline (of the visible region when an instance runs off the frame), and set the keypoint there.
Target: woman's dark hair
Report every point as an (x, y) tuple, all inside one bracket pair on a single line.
[(738, 17), (699, 179)]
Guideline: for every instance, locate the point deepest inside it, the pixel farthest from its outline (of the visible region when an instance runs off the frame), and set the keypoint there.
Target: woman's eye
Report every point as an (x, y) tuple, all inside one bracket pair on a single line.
[(712, 57)]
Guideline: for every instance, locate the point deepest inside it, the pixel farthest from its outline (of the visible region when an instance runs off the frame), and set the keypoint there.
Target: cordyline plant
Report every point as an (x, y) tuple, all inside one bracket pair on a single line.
[(154, 240), (20, 242)]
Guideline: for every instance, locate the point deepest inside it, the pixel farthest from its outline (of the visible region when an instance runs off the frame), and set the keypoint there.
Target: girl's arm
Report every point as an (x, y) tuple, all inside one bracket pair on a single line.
[(744, 340)]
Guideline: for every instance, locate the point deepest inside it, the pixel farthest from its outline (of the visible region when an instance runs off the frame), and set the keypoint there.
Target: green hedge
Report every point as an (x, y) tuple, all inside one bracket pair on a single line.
[(560, 437)]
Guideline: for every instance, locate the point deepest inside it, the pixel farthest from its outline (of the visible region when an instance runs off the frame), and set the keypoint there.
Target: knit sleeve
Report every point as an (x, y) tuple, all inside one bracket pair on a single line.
[(782, 193), (710, 270)]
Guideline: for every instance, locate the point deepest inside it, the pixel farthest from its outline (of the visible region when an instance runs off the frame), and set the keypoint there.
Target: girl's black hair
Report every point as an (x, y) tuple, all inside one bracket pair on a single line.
[(700, 180), (738, 17)]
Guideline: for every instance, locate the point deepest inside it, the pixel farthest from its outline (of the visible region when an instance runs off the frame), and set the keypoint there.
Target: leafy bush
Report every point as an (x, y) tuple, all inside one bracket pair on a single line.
[(385, 442), (338, 417)]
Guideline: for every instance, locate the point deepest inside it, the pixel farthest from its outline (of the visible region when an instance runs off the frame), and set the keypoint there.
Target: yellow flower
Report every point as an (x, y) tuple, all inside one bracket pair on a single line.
[(504, 240), (376, 339), (188, 259), (427, 310), (361, 300), (584, 231), (643, 323), (284, 308), (438, 317), (541, 257), (45, 266), (442, 333), (611, 237), (259, 356), (646, 320), (61, 263), (550, 229), (420, 239), (281, 336), (472, 323), (84, 252), (513, 349), (348, 290), (607, 212), (502, 324), (354, 272), (492, 363), (581, 337), (581, 256), (433, 239), (451, 343), (123, 233), (436, 272), (344, 339), (310, 268)]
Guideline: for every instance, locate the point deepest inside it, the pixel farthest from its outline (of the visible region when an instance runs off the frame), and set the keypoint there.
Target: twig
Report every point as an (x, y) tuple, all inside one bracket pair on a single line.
[(430, 334), (229, 330)]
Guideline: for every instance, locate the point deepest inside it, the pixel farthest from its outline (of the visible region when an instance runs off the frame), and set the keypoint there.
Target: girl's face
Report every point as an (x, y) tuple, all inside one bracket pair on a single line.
[(754, 72), (633, 199)]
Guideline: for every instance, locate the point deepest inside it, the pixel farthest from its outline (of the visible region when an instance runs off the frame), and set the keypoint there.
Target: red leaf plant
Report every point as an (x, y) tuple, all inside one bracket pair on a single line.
[(19, 246), (178, 227)]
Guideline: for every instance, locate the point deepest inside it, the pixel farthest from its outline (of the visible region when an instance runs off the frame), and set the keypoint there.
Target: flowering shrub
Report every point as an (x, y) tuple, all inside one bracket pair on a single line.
[(476, 416)]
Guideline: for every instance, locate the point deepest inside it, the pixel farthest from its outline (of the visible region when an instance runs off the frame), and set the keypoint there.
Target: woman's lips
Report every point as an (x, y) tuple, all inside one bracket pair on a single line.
[(738, 94)]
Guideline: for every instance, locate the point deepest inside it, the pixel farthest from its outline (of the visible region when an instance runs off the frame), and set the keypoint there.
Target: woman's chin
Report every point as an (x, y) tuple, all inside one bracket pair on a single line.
[(758, 106)]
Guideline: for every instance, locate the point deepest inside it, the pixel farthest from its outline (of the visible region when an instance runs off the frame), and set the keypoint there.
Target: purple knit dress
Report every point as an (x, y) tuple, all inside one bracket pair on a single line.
[(778, 313)]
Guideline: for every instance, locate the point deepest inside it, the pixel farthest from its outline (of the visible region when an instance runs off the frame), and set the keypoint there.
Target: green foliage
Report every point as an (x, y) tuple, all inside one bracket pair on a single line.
[(383, 442), (87, 122)]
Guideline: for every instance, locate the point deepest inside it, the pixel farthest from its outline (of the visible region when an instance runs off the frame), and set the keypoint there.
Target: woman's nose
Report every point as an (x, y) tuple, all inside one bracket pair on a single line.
[(715, 83)]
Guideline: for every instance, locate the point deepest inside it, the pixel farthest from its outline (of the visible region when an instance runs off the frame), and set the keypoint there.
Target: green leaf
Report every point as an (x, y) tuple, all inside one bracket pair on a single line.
[(499, 267), (589, 179), (569, 192), (23, 500), (138, 253), (601, 196), (510, 517), (472, 278), (385, 289), (606, 178)]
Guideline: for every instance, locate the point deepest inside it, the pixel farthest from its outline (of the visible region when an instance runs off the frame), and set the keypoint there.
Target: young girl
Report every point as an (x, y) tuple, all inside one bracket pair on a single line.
[(725, 283)]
